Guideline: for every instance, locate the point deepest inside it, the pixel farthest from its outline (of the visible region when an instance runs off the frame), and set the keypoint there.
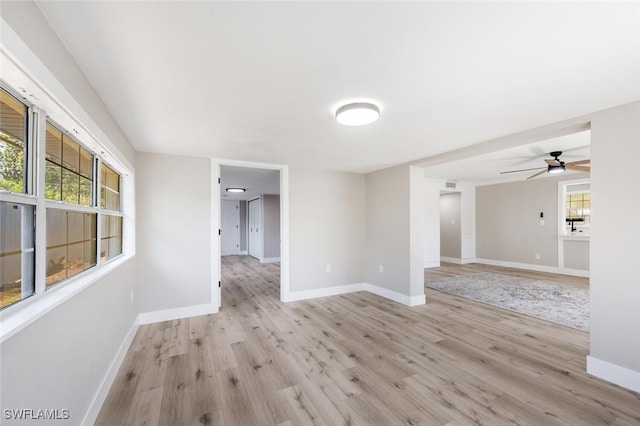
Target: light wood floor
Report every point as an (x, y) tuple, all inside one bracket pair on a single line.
[(358, 359)]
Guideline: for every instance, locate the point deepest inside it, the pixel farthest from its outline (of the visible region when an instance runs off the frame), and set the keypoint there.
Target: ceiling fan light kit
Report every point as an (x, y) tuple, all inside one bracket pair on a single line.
[(555, 169), (556, 166)]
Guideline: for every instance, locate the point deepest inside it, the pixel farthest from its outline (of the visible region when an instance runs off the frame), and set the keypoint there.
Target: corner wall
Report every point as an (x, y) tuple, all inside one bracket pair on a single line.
[(174, 248), (615, 246), (394, 231), (326, 211)]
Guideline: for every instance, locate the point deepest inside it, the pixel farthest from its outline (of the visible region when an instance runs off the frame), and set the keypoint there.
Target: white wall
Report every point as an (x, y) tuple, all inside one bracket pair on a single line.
[(61, 359), (450, 230), (432, 190), (615, 246), (173, 196), (394, 232), (508, 221), (431, 227), (326, 228), (270, 227)]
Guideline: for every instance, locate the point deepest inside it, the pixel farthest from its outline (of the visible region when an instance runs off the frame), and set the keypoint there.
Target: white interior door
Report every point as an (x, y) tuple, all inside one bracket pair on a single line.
[(230, 227), (253, 208)]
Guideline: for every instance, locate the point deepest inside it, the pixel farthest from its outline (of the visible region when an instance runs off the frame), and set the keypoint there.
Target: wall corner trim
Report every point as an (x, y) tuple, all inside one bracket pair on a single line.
[(323, 292), (352, 288), (177, 313), (395, 296), (615, 374), (105, 386)]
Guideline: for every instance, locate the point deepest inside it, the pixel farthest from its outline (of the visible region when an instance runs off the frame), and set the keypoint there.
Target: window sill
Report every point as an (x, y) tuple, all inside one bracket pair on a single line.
[(22, 314)]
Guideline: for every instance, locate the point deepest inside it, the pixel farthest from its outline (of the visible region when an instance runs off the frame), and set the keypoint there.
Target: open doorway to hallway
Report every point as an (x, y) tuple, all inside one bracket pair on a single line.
[(250, 224)]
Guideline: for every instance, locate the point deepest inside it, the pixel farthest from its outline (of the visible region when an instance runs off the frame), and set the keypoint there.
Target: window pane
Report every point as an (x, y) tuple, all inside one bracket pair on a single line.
[(110, 184), (17, 253), (70, 154), (70, 187), (69, 169), (54, 144), (53, 181), (111, 241), (86, 163), (13, 115), (71, 242)]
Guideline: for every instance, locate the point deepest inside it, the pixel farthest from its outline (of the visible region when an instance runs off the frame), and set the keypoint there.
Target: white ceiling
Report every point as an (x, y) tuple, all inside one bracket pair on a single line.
[(255, 181), (260, 81)]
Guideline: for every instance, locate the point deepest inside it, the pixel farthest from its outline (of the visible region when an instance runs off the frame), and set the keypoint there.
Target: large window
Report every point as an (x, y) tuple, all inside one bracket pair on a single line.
[(57, 219)]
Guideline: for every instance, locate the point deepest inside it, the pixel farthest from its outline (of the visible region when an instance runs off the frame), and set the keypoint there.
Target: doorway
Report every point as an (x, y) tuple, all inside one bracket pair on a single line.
[(261, 191)]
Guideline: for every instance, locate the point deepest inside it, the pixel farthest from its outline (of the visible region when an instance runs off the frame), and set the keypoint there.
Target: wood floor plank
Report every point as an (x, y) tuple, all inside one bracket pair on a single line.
[(359, 359)]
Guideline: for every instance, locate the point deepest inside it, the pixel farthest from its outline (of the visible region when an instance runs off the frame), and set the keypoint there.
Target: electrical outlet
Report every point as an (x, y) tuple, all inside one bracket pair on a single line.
[(380, 268), (537, 256), (327, 268)]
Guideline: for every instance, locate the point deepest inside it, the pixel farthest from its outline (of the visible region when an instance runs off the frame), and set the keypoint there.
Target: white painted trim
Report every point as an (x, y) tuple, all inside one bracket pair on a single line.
[(103, 390), (538, 268), (324, 292), (284, 218), (19, 316), (352, 288), (243, 253), (270, 260), (451, 260), (616, 374), (177, 313), (431, 264), (395, 296)]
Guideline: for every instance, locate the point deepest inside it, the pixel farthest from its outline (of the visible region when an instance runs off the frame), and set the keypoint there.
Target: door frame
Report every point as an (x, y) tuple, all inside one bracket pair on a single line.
[(258, 243), (216, 267)]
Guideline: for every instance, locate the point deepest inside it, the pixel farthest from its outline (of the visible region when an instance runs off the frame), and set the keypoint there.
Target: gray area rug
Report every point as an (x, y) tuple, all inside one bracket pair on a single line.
[(562, 304)]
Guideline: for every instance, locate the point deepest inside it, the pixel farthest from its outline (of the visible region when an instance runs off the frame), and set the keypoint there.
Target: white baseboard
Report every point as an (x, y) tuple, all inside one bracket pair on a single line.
[(103, 390), (433, 264), (270, 260), (352, 288), (323, 292), (395, 296), (620, 376), (243, 253), (177, 313), (451, 260), (538, 268)]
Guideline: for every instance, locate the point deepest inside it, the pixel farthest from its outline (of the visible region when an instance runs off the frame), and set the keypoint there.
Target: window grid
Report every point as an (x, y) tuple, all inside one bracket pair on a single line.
[(74, 194), (578, 207)]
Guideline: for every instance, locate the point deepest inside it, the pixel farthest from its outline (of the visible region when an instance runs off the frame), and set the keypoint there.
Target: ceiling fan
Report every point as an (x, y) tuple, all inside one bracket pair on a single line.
[(556, 166)]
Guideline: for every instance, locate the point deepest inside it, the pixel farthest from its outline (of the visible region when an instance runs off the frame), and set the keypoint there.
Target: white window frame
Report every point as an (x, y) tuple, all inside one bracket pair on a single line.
[(43, 106)]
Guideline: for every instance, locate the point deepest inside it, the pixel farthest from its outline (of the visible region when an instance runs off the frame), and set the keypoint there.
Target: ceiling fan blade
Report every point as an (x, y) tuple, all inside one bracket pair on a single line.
[(522, 170), (553, 162), (538, 174), (578, 168), (577, 163)]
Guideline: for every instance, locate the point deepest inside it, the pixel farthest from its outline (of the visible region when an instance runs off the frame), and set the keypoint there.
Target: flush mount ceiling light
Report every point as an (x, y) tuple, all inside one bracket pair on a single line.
[(357, 114), (235, 190)]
